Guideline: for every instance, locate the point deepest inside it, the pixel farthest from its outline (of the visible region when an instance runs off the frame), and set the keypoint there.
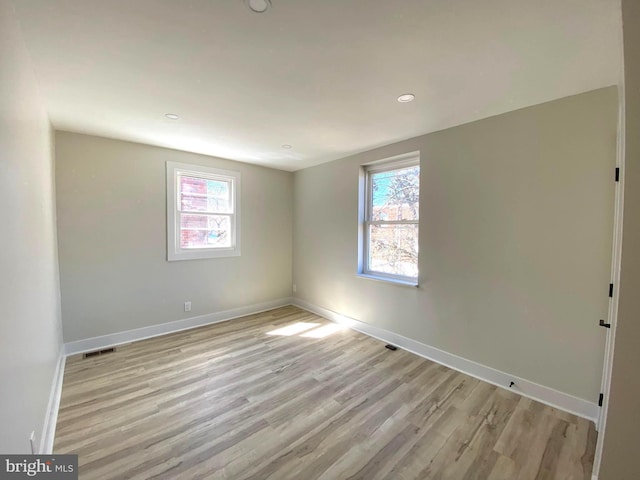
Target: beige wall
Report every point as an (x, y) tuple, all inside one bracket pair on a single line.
[(515, 241), (114, 271), (620, 460), (30, 333)]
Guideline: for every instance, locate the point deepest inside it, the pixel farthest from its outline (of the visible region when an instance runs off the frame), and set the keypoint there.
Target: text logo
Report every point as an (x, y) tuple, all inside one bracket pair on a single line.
[(50, 467)]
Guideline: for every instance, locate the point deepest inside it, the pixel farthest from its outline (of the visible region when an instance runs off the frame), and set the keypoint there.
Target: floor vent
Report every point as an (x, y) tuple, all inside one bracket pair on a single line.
[(98, 352)]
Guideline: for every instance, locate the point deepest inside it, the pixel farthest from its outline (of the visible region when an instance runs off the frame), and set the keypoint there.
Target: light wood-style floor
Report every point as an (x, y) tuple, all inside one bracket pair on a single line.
[(237, 400)]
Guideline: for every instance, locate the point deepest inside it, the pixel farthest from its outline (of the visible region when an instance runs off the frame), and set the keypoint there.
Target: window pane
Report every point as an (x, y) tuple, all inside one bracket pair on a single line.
[(393, 249), (204, 195), (395, 194), (205, 231)]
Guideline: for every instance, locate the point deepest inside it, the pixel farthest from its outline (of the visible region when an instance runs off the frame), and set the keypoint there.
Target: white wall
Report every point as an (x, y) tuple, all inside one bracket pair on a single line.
[(114, 271), (30, 333), (515, 241), (620, 459)]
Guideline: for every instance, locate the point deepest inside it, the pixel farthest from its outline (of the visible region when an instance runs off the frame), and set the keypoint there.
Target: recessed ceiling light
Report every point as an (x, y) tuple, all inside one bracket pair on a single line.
[(406, 97), (287, 146), (258, 6), (171, 116)]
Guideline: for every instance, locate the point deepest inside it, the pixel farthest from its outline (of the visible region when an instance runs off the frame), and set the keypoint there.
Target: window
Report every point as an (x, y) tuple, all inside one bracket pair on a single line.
[(389, 236), (203, 212)]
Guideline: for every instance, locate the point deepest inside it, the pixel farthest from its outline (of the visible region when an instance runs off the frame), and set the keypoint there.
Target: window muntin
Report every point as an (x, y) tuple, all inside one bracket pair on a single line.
[(391, 220), (203, 211)]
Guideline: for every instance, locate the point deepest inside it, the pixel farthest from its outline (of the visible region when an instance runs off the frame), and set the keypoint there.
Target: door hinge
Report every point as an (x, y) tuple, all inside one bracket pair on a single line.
[(600, 399), (617, 174), (605, 325), (611, 290)]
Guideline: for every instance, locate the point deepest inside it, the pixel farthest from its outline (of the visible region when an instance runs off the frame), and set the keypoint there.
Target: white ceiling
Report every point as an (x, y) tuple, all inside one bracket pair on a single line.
[(320, 75)]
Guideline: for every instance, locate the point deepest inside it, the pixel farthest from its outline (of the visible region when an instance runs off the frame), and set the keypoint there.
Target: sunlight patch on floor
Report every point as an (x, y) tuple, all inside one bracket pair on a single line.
[(293, 329), (324, 331)]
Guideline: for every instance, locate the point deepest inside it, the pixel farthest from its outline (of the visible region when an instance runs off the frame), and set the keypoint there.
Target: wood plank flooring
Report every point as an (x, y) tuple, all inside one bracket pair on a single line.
[(286, 395)]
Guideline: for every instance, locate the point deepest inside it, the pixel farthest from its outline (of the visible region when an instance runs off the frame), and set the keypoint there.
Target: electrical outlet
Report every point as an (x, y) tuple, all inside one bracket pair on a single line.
[(32, 442), (187, 306), (294, 288)]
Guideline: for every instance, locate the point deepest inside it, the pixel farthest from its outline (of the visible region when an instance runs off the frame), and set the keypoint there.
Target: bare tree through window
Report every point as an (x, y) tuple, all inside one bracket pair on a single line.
[(392, 223), (211, 199)]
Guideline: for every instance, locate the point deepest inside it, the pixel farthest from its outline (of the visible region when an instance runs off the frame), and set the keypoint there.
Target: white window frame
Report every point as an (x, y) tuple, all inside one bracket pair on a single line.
[(365, 212), (174, 251)]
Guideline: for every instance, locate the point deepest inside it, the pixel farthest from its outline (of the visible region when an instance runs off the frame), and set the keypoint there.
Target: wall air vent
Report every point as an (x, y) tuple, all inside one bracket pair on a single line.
[(98, 352)]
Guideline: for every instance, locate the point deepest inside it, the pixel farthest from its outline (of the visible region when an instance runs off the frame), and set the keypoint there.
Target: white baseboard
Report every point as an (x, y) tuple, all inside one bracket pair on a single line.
[(51, 418), (113, 339), (540, 393)]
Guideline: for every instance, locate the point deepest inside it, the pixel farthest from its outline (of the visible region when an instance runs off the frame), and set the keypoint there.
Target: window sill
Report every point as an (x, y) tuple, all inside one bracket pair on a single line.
[(201, 254), (393, 281)]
